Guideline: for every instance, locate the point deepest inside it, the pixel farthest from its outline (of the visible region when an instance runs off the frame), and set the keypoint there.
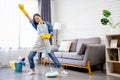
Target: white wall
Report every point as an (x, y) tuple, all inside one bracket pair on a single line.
[(81, 18)]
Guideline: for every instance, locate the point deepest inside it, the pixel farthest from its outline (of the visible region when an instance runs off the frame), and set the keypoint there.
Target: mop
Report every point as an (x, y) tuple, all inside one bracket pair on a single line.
[(51, 73)]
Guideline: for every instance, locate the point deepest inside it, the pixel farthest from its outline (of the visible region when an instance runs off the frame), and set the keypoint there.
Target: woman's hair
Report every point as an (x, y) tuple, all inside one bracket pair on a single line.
[(36, 14)]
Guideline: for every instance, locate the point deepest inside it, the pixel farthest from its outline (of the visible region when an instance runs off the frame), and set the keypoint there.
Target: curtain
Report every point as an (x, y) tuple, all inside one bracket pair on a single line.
[(44, 8)]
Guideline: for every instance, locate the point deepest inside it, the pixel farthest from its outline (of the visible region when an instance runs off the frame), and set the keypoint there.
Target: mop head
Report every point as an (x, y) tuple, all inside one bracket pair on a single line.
[(52, 74)]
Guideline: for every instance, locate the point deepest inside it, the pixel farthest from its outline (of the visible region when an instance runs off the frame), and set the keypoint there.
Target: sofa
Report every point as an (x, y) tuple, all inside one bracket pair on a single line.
[(83, 53)]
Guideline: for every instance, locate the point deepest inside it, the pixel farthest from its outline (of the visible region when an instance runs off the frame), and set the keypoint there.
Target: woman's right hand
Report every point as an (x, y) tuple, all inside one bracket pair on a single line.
[(21, 7)]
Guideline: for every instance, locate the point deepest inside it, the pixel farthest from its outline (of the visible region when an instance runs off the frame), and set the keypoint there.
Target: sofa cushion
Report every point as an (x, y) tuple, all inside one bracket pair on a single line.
[(58, 54), (64, 46), (72, 55), (81, 43), (73, 45)]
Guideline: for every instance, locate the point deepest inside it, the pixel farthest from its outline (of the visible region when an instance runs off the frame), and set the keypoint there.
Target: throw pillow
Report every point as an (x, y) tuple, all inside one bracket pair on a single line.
[(81, 51), (73, 45), (86, 40), (64, 46)]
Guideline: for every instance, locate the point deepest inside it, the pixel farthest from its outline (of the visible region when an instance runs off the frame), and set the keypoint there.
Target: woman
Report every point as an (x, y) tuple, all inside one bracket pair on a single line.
[(45, 31)]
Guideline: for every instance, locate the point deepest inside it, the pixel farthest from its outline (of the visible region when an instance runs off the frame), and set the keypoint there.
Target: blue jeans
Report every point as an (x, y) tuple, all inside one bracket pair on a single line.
[(51, 55)]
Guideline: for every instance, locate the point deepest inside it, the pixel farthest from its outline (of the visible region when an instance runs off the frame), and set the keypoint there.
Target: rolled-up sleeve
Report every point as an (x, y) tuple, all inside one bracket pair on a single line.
[(34, 24), (50, 27)]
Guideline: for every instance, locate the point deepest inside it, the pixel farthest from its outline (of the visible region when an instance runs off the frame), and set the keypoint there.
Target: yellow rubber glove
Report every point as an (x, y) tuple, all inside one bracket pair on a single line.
[(21, 7), (48, 36), (45, 36)]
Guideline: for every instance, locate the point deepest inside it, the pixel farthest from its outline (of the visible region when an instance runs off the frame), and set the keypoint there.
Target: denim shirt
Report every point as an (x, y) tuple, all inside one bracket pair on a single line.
[(50, 27)]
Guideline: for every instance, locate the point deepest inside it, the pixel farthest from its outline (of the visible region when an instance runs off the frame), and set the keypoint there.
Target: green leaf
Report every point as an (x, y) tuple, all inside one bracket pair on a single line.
[(104, 21), (113, 54), (106, 13)]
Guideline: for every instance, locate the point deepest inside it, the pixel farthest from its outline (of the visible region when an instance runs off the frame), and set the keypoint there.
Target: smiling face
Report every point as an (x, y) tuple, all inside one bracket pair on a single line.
[(37, 18)]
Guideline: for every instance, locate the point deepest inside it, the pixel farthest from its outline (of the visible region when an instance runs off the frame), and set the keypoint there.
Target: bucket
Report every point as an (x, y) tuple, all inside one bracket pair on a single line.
[(18, 67)]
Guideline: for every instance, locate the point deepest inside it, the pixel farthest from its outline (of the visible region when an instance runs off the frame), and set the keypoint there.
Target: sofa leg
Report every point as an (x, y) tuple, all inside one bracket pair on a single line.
[(89, 68)]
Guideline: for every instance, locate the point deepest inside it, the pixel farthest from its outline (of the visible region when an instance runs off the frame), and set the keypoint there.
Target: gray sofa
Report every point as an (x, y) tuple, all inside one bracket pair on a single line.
[(83, 53)]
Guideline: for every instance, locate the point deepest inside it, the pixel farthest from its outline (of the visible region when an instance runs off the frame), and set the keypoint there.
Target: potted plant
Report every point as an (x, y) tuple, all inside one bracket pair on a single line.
[(108, 20), (113, 55)]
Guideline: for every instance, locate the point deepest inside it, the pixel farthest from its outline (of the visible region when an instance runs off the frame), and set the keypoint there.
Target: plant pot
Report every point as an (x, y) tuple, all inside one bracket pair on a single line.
[(115, 58)]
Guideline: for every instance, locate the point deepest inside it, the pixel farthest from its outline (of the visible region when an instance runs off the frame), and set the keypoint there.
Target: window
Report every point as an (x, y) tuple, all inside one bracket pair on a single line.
[(15, 29)]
